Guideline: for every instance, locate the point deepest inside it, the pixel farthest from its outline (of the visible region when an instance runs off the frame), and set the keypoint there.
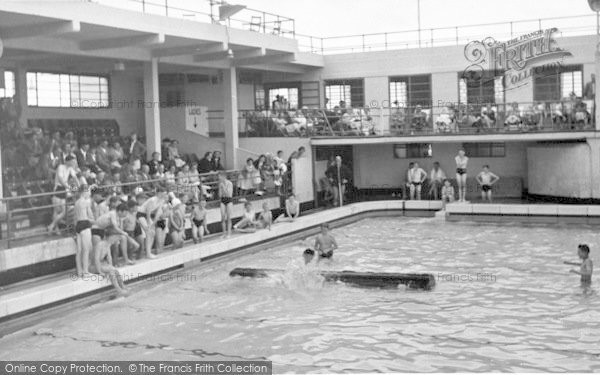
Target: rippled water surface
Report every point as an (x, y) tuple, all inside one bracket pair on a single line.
[(503, 301)]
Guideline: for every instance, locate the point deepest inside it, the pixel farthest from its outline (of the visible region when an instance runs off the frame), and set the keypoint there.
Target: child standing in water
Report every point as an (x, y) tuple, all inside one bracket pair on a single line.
[(586, 267), (461, 174)]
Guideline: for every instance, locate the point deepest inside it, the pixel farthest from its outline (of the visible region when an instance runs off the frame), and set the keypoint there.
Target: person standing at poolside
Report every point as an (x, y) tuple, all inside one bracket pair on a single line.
[(226, 196), (486, 179), (147, 216), (84, 217), (586, 267), (339, 176), (199, 222), (461, 174), (436, 178), (416, 176)]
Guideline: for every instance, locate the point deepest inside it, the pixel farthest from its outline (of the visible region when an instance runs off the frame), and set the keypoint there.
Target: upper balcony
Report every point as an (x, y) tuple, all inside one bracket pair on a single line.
[(566, 119)]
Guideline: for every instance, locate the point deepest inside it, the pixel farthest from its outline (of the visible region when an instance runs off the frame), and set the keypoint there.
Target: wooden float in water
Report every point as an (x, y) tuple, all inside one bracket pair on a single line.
[(364, 279)]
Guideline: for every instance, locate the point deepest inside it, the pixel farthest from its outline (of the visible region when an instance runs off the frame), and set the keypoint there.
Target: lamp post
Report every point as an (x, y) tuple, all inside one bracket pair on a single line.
[(595, 6)]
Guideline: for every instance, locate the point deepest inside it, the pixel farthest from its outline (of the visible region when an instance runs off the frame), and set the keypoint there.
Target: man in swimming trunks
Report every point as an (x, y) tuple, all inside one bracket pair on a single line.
[(83, 229), (586, 267), (103, 264), (131, 225), (416, 176), (461, 174), (325, 243), (226, 196), (147, 216), (108, 225), (486, 179), (199, 225)]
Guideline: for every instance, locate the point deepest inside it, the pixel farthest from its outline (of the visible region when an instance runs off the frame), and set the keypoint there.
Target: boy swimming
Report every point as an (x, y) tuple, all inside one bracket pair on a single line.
[(586, 267)]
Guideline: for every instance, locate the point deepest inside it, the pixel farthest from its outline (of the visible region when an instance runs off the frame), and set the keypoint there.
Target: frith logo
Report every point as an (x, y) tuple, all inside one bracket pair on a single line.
[(517, 59)]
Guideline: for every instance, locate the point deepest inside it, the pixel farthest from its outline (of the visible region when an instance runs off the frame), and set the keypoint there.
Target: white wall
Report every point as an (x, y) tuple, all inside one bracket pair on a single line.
[(375, 165), (560, 170)]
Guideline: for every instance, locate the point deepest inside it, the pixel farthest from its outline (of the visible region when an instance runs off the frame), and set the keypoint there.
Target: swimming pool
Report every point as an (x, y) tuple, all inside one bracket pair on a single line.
[(503, 301)]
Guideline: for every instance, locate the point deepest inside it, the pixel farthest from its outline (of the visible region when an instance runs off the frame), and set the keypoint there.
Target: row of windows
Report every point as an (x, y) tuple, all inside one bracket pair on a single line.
[(60, 90), (410, 91), (89, 91), (425, 150)]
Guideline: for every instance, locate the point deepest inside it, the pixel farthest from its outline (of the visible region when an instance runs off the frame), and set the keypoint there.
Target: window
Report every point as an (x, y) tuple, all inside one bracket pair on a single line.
[(67, 90), (481, 90), (8, 90), (413, 151), (557, 84), (289, 93), (410, 91), (259, 99), (350, 91), (485, 150)]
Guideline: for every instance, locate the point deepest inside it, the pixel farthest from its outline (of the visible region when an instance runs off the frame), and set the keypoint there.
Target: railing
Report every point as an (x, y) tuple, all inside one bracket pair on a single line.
[(445, 36), (208, 11), (38, 210), (530, 117)]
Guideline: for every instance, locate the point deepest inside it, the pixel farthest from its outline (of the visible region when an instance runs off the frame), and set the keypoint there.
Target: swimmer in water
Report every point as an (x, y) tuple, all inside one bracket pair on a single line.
[(308, 255), (586, 267), (325, 243)]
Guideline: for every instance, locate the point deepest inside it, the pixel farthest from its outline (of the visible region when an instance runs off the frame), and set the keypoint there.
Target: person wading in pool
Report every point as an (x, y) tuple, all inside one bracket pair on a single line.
[(586, 267), (461, 174), (325, 243), (226, 196)]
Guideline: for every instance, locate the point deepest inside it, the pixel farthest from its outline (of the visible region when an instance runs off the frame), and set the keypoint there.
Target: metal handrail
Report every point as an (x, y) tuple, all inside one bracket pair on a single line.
[(322, 48), (185, 12)]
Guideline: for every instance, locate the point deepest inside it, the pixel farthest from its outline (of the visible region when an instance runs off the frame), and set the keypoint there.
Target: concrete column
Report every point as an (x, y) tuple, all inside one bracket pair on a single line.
[(230, 118), (152, 107), (596, 96)]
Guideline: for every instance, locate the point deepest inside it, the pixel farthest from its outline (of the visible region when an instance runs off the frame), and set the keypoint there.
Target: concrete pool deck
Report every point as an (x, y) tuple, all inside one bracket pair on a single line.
[(34, 295)]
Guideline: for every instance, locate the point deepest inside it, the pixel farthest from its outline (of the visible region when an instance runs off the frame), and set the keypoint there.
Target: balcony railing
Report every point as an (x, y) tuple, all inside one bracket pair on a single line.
[(208, 11), (25, 218), (524, 117), (445, 36)]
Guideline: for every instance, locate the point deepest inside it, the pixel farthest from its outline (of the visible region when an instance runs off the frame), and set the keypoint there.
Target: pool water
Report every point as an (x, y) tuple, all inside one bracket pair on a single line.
[(503, 302)]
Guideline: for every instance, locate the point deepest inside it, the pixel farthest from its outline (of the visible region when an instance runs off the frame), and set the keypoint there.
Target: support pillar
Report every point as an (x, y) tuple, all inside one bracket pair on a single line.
[(152, 107), (230, 118), (596, 110)]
